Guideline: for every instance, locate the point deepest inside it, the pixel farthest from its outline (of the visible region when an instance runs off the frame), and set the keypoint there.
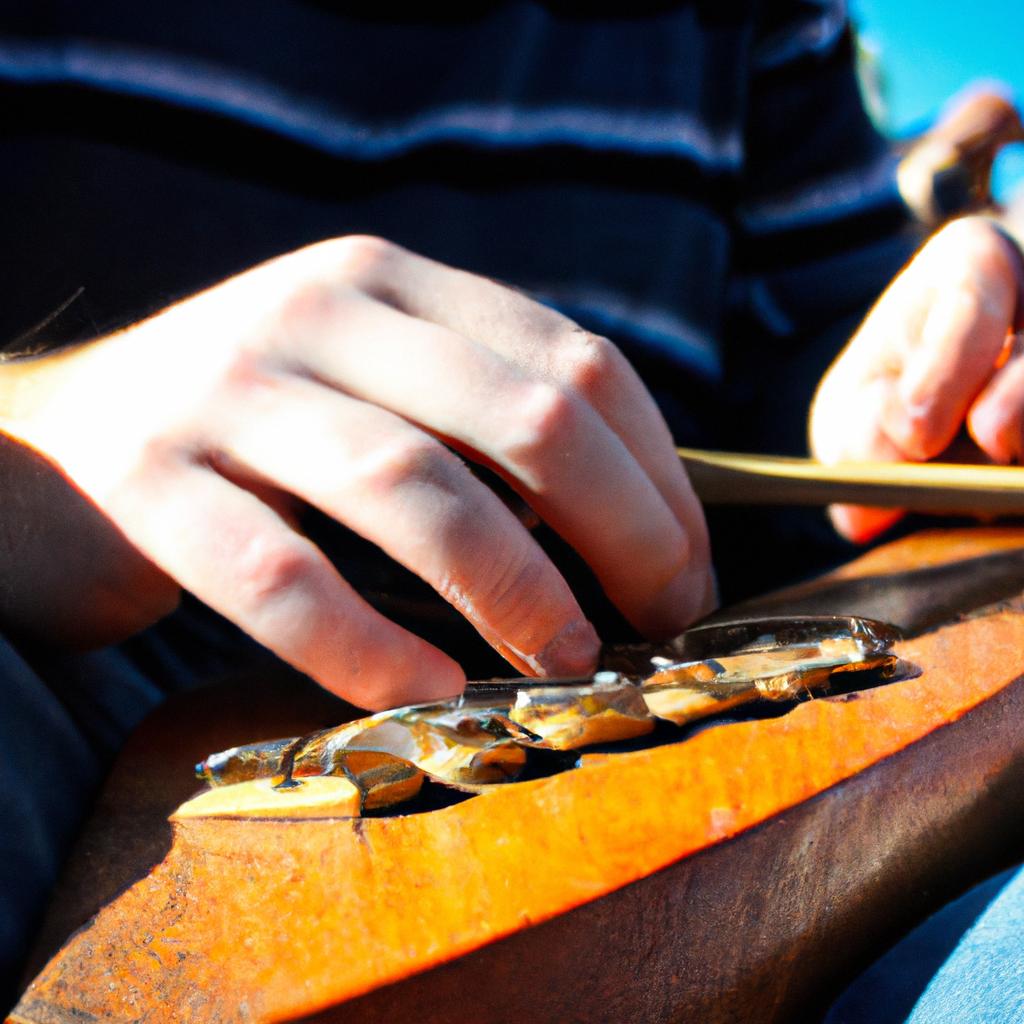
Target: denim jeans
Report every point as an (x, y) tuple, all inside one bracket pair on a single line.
[(964, 965)]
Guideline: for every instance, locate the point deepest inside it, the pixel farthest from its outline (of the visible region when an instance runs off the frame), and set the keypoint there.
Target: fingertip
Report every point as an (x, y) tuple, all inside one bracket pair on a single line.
[(573, 652), (439, 678), (421, 675), (992, 434), (688, 596), (712, 596), (995, 421), (861, 524)]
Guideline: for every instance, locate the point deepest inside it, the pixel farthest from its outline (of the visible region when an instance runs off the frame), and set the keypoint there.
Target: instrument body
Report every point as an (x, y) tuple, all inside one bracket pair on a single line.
[(712, 879)]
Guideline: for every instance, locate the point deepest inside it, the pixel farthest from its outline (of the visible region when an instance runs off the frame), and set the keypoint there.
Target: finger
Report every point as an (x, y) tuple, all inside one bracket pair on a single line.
[(402, 490), (574, 470), (238, 556), (535, 338), (548, 346), (996, 420), (863, 523), (841, 433), (967, 277), (903, 386)]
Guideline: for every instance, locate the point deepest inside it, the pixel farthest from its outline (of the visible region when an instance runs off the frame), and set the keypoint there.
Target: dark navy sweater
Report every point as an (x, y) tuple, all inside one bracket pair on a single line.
[(696, 180)]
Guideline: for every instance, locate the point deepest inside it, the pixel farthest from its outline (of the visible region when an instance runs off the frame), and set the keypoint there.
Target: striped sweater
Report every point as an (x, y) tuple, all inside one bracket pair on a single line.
[(696, 180)]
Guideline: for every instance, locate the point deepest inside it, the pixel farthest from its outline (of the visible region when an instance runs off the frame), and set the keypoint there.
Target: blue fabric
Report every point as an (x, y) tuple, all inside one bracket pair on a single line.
[(964, 964)]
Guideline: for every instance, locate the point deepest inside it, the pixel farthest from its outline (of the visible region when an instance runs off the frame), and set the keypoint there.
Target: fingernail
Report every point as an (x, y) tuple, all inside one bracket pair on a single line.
[(573, 652)]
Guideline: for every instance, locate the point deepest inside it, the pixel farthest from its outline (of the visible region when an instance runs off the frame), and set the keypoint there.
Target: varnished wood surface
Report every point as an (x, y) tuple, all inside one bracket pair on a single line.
[(740, 875)]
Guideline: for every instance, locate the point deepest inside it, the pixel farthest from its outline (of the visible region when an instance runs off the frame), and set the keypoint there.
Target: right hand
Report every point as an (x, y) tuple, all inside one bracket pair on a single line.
[(938, 355), (333, 374)]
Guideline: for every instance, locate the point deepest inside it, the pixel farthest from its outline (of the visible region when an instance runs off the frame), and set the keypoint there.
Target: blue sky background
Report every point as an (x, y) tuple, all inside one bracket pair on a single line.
[(931, 50)]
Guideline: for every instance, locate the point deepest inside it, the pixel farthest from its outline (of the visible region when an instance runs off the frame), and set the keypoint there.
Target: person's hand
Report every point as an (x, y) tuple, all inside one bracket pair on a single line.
[(345, 375), (937, 354)]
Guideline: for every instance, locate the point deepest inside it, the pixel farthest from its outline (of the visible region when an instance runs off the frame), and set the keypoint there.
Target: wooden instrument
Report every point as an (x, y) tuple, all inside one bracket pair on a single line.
[(745, 872), (724, 478)]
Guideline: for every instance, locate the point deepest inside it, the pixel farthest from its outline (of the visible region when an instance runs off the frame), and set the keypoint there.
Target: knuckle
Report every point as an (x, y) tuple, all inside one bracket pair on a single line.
[(974, 254), (542, 426), (145, 465), (308, 305), (589, 363), (157, 451), (244, 368), (389, 467), (361, 259), (269, 570), (967, 234), (246, 376)]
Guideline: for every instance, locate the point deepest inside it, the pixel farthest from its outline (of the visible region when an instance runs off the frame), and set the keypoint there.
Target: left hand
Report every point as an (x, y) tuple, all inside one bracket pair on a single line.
[(937, 353)]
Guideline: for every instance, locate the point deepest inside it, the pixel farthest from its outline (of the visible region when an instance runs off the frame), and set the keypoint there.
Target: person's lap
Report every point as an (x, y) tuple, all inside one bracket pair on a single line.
[(964, 964)]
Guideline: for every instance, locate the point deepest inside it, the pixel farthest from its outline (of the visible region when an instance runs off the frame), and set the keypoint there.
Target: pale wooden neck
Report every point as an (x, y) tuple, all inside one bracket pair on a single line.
[(726, 478)]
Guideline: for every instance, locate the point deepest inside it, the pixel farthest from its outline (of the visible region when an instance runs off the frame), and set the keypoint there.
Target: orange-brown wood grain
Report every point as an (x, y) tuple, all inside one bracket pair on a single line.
[(935, 547), (275, 920)]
